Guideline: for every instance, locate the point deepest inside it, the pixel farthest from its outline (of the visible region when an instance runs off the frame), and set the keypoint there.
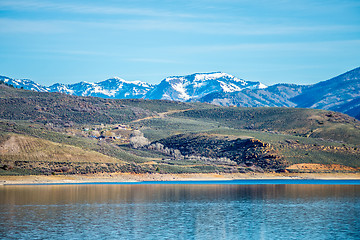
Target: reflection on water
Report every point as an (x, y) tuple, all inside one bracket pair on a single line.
[(180, 212)]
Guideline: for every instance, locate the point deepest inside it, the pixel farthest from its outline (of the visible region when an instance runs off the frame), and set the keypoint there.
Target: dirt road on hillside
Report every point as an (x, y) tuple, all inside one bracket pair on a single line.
[(162, 115)]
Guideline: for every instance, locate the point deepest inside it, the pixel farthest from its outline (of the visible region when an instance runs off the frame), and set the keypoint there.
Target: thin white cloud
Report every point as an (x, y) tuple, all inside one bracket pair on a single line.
[(32, 5), (194, 27), (152, 19), (82, 53), (31, 26), (321, 46), (151, 60)]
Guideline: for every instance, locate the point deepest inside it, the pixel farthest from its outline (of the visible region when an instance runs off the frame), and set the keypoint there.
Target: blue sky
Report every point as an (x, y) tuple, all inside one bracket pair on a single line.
[(295, 41)]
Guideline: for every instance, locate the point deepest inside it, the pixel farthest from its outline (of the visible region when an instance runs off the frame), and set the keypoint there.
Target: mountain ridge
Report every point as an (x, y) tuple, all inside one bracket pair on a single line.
[(194, 86), (341, 93)]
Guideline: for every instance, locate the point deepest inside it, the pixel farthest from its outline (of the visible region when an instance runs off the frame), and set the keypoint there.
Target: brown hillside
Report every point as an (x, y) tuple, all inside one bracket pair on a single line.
[(25, 148)]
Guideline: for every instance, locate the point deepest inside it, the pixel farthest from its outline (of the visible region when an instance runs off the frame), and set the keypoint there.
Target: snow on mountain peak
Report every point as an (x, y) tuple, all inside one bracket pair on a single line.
[(261, 86), (121, 80), (204, 77), (24, 83), (229, 87), (195, 86), (179, 88), (214, 76)]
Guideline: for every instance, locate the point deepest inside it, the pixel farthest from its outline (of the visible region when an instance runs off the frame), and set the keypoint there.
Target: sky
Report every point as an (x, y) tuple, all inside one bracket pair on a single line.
[(275, 41)]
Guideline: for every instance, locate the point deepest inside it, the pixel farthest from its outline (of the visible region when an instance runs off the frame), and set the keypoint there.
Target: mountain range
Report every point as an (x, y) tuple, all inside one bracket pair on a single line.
[(58, 133), (341, 93)]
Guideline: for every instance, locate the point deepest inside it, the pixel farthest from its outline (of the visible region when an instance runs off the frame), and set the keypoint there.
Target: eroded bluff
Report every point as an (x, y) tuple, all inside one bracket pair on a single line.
[(247, 151)]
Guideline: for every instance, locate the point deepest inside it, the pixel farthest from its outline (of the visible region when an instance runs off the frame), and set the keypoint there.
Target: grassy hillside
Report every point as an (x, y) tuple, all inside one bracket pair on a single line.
[(291, 147), (293, 121), (47, 133), (298, 135), (65, 110), (15, 147), (43, 151)]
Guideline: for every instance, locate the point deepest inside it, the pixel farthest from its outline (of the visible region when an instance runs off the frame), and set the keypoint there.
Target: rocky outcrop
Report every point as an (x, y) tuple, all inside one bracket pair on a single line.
[(240, 151)]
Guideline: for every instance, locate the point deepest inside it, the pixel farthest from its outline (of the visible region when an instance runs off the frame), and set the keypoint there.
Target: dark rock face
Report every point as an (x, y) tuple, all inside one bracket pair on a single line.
[(242, 151)]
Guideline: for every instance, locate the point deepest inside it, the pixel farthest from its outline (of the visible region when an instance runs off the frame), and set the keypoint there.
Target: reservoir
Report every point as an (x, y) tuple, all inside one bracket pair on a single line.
[(247, 209)]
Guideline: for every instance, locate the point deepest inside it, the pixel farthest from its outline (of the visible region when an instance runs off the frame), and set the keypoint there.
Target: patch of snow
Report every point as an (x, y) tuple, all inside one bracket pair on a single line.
[(169, 79), (85, 82), (65, 89), (98, 89), (16, 82), (262, 86), (179, 87), (138, 83), (229, 87), (257, 85), (166, 96), (211, 76), (199, 84), (217, 75)]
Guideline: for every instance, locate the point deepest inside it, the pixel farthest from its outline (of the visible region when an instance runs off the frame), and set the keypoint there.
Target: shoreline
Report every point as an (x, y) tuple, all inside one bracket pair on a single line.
[(137, 178)]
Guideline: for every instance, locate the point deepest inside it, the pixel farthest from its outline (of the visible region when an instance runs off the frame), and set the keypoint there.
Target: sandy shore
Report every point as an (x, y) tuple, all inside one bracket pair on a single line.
[(127, 177)]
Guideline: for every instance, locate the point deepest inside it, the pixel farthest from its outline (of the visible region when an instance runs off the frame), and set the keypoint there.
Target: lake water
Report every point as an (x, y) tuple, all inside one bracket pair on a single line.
[(210, 210)]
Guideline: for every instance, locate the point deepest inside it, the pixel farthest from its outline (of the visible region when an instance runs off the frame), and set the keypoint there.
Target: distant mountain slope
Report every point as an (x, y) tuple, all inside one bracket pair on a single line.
[(24, 83), (111, 88), (333, 93), (180, 88), (341, 94), (116, 88), (195, 86), (351, 108), (273, 96)]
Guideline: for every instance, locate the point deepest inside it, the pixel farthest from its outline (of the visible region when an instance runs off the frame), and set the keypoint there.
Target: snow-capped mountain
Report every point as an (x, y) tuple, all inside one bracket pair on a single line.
[(24, 83), (179, 88), (196, 86), (110, 88), (341, 93)]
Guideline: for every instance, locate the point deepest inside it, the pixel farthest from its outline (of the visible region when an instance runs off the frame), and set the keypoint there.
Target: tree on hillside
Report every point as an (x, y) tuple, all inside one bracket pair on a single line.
[(137, 139)]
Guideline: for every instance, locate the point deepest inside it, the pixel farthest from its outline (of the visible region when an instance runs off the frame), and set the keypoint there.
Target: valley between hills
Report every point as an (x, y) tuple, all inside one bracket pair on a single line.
[(55, 134)]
